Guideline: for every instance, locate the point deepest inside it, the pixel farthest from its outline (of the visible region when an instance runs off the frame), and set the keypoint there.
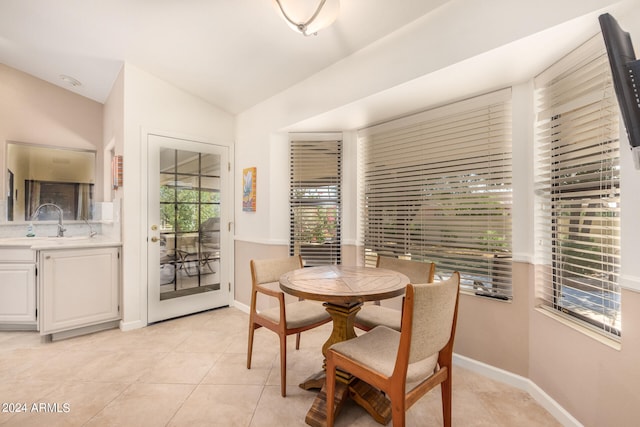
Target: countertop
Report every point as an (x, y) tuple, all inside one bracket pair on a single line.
[(70, 242)]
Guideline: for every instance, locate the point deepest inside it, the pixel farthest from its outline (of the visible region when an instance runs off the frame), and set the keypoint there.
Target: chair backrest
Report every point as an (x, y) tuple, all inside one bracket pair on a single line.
[(416, 271), (432, 317), (209, 232), (270, 270)]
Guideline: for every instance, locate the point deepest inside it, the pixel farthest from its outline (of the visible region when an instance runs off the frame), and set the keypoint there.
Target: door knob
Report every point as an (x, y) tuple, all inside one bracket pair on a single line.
[(154, 239)]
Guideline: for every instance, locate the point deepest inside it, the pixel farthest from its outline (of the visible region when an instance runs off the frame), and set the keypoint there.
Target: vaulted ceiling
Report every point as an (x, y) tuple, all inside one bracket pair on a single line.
[(232, 53), (237, 53)]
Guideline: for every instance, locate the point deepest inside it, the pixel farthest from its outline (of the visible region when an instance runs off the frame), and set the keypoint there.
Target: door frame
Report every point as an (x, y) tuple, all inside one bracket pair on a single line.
[(145, 134)]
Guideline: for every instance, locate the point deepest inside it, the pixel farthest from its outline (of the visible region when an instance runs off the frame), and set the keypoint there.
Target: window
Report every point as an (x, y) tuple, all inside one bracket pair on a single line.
[(578, 191), (437, 187), (315, 201)]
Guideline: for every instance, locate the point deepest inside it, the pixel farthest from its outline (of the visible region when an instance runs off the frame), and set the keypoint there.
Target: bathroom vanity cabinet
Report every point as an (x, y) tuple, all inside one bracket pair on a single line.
[(78, 288), (59, 286)]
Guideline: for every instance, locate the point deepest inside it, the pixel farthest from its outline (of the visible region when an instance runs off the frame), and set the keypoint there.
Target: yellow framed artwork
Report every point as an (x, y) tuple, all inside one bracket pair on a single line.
[(249, 189)]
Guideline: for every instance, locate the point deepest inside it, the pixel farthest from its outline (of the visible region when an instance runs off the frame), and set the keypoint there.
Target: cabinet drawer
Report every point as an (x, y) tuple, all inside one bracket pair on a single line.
[(19, 254)]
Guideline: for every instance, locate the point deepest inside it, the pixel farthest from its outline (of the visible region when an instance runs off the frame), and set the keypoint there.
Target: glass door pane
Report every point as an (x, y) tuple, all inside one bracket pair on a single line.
[(190, 223), (185, 212)]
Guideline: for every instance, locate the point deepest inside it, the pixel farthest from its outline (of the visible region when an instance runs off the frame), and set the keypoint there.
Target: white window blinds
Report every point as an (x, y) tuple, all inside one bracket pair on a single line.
[(578, 191), (315, 201), (437, 188)]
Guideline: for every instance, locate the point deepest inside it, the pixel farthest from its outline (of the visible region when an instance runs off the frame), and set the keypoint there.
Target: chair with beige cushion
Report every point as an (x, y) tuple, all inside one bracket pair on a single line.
[(421, 353), (283, 319), (372, 315)]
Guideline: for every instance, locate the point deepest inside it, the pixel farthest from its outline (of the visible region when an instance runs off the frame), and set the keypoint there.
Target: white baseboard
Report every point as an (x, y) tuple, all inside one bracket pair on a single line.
[(83, 330), (522, 383), (240, 306), (129, 326), (517, 381)]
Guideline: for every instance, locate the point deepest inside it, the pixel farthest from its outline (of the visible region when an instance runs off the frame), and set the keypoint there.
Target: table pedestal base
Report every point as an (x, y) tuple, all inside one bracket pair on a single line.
[(370, 398), (315, 381), (347, 386)]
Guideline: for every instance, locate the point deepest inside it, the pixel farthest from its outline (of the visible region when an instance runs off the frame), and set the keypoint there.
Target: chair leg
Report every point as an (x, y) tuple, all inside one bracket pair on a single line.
[(298, 341), (330, 389), (446, 391), (252, 329), (398, 407), (397, 416), (283, 365)]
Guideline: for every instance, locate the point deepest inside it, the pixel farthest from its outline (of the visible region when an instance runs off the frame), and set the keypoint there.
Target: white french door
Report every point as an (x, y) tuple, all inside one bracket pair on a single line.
[(186, 227)]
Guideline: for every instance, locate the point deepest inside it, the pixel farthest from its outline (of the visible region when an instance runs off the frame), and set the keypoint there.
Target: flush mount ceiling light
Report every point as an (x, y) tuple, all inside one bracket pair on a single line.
[(70, 80), (308, 16)]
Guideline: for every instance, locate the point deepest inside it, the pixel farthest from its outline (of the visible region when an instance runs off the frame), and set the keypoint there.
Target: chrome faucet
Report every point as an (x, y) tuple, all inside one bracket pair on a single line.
[(92, 232), (61, 229)]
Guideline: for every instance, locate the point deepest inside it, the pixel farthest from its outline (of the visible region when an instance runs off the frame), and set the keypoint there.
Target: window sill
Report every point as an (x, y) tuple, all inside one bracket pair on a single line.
[(472, 293), (573, 324)]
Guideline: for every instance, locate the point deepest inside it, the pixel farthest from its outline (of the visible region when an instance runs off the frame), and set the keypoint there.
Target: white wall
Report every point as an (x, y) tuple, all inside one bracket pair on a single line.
[(149, 104), (429, 62), (462, 49), (36, 112)]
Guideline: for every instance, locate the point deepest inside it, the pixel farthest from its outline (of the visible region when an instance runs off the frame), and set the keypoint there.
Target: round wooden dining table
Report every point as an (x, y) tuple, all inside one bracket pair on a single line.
[(343, 290)]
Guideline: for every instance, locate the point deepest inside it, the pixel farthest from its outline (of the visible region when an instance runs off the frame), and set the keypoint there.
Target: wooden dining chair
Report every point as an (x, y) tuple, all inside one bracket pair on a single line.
[(283, 319), (372, 315), (421, 353)]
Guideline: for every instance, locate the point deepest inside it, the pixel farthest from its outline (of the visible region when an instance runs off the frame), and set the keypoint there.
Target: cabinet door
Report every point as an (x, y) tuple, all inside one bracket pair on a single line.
[(78, 287), (17, 293)]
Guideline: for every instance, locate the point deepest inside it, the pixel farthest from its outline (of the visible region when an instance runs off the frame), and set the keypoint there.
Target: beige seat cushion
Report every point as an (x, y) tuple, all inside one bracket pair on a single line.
[(300, 313), (371, 315), (378, 349)]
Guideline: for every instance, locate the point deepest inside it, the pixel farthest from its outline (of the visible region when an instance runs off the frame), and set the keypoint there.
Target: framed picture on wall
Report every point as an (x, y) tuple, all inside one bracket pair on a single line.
[(116, 171), (249, 189)]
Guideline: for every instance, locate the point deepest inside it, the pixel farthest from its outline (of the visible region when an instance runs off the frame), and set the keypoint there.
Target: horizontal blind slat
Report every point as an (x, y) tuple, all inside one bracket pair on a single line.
[(577, 186), (437, 187), (315, 176)]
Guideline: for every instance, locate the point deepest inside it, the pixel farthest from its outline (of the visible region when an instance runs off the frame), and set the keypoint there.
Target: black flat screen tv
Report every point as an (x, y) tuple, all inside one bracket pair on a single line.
[(625, 71)]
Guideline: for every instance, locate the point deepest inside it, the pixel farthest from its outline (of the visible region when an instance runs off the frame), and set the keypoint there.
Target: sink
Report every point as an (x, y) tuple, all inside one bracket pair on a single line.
[(69, 237), (63, 240)]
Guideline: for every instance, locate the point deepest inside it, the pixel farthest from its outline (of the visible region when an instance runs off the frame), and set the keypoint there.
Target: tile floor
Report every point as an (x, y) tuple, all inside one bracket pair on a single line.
[(191, 372)]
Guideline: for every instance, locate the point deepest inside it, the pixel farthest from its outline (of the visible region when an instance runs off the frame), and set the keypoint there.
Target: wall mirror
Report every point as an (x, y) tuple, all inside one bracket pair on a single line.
[(41, 174)]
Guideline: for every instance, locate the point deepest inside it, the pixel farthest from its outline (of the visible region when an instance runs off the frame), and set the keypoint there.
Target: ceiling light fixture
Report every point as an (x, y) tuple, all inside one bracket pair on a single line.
[(308, 16), (70, 80)]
